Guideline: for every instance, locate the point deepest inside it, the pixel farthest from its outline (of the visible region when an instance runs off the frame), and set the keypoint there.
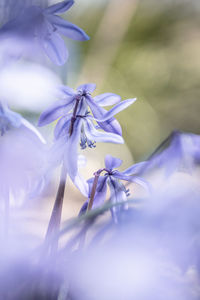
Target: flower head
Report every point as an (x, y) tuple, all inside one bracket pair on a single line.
[(76, 124), (180, 152), (43, 26), (112, 178)]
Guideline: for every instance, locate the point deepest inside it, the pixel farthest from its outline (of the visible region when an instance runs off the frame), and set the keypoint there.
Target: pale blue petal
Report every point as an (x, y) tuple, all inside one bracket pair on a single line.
[(71, 150), (107, 99), (136, 168), (68, 29), (88, 87), (67, 90), (98, 136), (111, 125), (112, 162), (144, 183), (56, 110), (116, 109), (55, 48), (30, 127), (62, 126), (81, 184), (117, 195), (122, 176), (60, 7), (100, 194)]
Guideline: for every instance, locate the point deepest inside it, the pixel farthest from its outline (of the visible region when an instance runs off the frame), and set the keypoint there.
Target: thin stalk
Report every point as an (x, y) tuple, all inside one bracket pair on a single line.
[(73, 119), (94, 187), (55, 219)]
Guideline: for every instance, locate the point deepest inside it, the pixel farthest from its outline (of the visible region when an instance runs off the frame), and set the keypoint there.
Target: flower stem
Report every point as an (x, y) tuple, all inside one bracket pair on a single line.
[(96, 178), (55, 219), (73, 119)]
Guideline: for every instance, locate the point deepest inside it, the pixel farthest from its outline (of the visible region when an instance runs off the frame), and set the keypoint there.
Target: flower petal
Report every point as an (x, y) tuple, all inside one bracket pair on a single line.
[(55, 48), (59, 7), (116, 109), (100, 194), (30, 127), (81, 184), (62, 126), (56, 110), (136, 168), (136, 179), (111, 125), (68, 29), (87, 87), (98, 136), (107, 99), (117, 195), (67, 90), (71, 150), (112, 162)]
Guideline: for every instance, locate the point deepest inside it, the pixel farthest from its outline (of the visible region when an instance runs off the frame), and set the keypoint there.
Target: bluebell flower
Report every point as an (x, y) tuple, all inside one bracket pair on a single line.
[(112, 178), (180, 152), (43, 26), (80, 101), (76, 125)]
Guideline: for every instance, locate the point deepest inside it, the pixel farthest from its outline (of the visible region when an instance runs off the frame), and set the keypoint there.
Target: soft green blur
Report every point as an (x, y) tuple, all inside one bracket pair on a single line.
[(147, 49)]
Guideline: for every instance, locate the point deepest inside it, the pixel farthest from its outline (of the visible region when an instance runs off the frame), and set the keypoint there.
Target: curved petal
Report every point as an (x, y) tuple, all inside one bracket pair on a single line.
[(71, 150), (68, 29), (112, 162), (135, 179), (55, 48), (98, 136), (59, 7), (56, 110), (62, 126), (136, 168), (67, 90), (30, 127), (107, 99), (111, 125), (117, 195), (81, 184), (100, 194), (116, 109), (87, 87)]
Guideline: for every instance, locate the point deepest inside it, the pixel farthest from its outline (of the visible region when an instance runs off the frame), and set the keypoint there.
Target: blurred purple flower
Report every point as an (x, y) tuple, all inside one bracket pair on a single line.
[(180, 152), (22, 156), (112, 178), (35, 23)]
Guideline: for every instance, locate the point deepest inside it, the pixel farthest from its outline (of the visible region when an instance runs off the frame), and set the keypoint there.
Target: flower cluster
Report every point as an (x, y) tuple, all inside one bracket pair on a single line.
[(140, 241)]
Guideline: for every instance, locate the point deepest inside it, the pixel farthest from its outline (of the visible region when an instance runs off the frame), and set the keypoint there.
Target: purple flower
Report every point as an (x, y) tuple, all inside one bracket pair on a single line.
[(112, 178), (35, 23), (22, 156), (77, 126), (80, 101), (180, 152)]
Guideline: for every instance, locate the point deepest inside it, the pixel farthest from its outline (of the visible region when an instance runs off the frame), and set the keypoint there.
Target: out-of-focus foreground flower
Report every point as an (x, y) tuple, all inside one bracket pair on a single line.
[(37, 26)]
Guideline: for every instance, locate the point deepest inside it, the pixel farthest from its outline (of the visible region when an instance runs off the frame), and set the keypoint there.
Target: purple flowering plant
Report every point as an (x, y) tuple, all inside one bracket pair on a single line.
[(96, 255)]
